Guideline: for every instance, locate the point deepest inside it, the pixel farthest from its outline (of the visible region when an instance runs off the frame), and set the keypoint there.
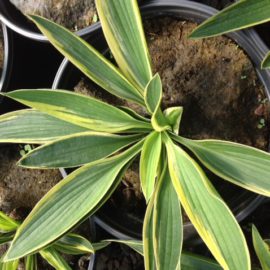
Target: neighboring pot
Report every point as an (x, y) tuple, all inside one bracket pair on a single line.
[(241, 202), (8, 57), (15, 20)]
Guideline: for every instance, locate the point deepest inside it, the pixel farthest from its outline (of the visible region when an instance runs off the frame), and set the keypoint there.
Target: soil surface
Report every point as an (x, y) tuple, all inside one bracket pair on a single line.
[(73, 14), (1, 50), (118, 257)]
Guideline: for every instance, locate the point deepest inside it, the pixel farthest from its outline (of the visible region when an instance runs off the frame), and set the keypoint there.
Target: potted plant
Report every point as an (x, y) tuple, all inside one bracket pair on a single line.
[(125, 134)]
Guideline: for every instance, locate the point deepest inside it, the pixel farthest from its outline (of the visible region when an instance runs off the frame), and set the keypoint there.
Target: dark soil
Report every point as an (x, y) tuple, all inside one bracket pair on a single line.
[(73, 14), (1, 50), (118, 257), (218, 4)]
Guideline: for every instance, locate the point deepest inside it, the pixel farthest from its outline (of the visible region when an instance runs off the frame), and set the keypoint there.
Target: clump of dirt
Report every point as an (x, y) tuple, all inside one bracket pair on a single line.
[(20, 187), (214, 81), (118, 257), (1, 50), (73, 14)]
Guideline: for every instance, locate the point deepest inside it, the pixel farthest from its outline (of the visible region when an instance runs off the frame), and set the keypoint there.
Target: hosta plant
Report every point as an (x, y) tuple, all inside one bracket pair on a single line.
[(76, 130), (72, 244), (242, 14)]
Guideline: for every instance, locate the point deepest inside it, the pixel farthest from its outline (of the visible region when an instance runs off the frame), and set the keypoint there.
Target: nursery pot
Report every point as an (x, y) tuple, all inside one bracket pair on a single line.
[(8, 57), (239, 200), (15, 20)]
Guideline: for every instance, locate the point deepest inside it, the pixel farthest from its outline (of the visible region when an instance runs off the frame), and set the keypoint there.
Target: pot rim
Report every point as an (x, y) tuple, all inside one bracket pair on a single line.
[(253, 48)]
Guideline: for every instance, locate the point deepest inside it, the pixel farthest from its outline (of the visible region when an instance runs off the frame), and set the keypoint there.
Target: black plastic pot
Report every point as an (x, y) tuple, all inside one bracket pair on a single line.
[(15, 20), (240, 201), (8, 57)]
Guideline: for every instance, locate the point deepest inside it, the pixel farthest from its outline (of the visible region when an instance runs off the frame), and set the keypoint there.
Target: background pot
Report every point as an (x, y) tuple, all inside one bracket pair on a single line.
[(241, 201)]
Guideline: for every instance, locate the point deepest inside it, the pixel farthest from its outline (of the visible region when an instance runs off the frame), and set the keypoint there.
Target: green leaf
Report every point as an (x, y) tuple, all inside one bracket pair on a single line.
[(148, 237), (76, 150), (149, 162), (134, 114), (88, 60), (7, 224), (79, 195), (31, 126), (168, 225), (261, 248), (134, 244), (153, 94), (6, 237), (79, 110), (207, 211), (31, 262), (242, 14), (100, 245), (194, 262), (54, 259), (266, 61), (122, 25), (12, 265), (242, 165), (173, 116), (153, 98), (73, 244)]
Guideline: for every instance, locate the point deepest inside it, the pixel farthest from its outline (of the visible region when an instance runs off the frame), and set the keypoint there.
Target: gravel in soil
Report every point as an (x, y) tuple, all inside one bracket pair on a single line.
[(73, 14)]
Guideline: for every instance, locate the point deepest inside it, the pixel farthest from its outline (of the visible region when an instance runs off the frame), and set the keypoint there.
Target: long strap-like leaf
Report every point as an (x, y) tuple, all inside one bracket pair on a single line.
[(209, 214), (31, 126), (122, 26), (78, 195), (88, 60), (79, 110)]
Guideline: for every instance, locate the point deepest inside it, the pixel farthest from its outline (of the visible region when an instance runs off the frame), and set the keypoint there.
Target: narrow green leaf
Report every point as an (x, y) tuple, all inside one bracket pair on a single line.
[(12, 265), (266, 61), (242, 165), (31, 126), (54, 259), (100, 245), (261, 248), (242, 14), (6, 237), (79, 110), (73, 244), (80, 194), (173, 116), (31, 262), (168, 225), (88, 60), (194, 262), (153, 98), (122, 25), (134, 244), (207, 211), (7, 224), (134, 114), (153, 94), (149, 161), (76, 150), (148, 237)]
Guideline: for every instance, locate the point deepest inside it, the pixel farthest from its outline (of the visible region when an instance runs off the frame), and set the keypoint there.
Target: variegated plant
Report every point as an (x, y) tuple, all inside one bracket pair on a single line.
[(242, 14), (76, 130), (72, 244)]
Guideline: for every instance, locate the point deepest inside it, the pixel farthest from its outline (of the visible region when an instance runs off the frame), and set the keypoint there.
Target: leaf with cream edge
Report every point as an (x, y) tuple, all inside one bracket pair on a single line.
[(266, 61), (261, 248), (149, 161), (167, 224), (242, 14), (153, 98), (73, 244), (207, 211), (34, 127), (242, 165), (13, 265), (79, 110), (80, 194), (92, 63), (134, 244), (54, 259), (76, 150), (122, 26), (7, 224), (173, 116), (31, 262)]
